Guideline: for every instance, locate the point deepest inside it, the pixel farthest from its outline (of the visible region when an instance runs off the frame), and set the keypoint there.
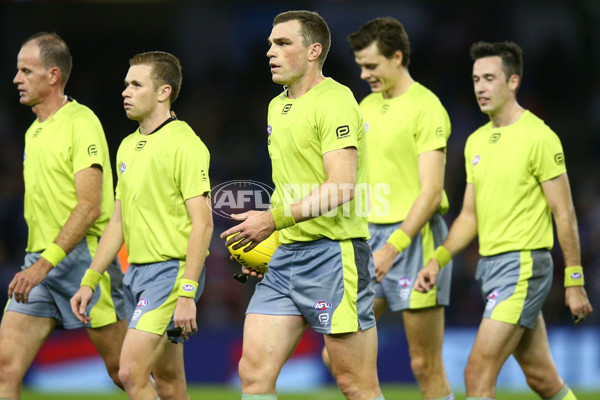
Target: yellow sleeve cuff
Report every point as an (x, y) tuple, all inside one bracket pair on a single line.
[(400, 240), (54, 254), (442, 255), (283, 217), (91, 278), (187, 288), (574, 276)]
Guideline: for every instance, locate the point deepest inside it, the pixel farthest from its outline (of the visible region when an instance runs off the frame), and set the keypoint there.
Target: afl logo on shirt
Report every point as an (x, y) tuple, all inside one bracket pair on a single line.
[(123, 167), (269, 131), (476, 159)]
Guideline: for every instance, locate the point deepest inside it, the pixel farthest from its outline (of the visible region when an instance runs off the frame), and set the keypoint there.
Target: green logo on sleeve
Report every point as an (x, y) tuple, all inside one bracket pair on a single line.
[(559, 159)]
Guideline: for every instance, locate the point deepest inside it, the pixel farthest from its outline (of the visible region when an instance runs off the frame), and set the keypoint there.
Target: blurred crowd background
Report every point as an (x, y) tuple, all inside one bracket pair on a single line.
[(227, 86)]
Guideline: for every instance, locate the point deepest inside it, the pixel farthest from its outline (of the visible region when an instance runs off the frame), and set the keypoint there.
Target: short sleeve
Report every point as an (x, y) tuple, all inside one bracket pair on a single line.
[(191, 163), (119, 168), (547, 158), (339, 121), (468, 161), (432, 129), (88, 142)]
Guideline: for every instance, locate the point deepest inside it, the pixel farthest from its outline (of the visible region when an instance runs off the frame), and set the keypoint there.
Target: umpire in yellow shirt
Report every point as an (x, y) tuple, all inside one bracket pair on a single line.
[(163, 216), (516, 181), (323, 274), (407, 129), (68, 202)]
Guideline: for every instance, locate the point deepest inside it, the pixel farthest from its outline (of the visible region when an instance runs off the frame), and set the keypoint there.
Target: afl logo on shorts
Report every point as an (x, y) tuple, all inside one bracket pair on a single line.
[(494, 294), (142, 303), (123, 167), (322, 305), (404, 282), (476, 159), (187, 287), (269, 130)]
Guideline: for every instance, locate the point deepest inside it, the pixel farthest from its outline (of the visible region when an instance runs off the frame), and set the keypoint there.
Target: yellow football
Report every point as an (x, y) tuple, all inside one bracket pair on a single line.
[(258, 258)]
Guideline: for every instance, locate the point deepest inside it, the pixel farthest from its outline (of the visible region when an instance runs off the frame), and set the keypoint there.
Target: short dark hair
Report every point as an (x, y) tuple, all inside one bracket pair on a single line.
[(388, 33), (166, 70), (510, 53), (313, 29), (54, 52)]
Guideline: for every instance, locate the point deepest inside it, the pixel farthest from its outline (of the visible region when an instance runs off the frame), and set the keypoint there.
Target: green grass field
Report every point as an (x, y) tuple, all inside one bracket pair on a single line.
[(391, 392)]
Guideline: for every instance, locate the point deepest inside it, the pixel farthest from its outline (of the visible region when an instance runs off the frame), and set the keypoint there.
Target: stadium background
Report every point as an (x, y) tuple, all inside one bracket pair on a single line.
[(226, 89)]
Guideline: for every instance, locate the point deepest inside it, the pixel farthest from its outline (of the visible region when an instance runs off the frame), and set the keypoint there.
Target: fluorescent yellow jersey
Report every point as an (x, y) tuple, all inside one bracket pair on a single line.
[(66, 143), (398, 131), (507, 166), (157, 174), (301, 131)]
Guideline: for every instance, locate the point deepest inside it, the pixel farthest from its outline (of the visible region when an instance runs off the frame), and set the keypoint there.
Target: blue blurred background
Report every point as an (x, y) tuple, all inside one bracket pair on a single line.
[(226, 89)]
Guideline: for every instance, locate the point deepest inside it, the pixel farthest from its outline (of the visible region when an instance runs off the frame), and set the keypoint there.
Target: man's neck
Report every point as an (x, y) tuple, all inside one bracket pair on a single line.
[(149, 124), (508, 115), (402, 84), (311, 79), (50, 105)]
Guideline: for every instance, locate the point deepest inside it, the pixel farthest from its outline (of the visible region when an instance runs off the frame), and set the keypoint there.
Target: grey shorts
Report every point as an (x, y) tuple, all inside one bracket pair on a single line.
[(51, 298), (329, 283), (397, 287), (151, 295), (515, 285)]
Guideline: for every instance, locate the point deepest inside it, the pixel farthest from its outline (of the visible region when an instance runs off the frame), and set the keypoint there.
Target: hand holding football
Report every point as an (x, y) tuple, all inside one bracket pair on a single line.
[(258, 258)]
